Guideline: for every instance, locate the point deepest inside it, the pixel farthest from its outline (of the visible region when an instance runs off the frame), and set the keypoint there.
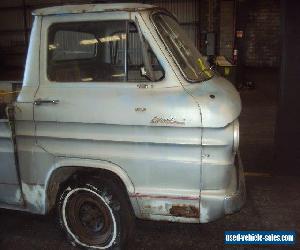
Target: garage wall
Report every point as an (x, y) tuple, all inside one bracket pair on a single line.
[(15, 25), (262, 40), (12, 35), (226, 28), (287, 147)]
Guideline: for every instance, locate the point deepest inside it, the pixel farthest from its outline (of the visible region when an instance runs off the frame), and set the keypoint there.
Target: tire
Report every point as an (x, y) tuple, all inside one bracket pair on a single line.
[(96, 214)]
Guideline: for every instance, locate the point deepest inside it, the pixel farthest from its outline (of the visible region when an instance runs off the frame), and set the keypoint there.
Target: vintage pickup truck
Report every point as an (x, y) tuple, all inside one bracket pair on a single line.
[(119, 116)]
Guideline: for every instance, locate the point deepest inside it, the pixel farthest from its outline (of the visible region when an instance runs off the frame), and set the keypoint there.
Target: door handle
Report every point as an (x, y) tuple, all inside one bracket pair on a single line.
[(41, 101)]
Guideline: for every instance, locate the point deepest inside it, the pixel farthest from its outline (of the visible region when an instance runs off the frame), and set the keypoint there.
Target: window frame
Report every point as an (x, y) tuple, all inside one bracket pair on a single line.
[(166, 13), (127, 22)]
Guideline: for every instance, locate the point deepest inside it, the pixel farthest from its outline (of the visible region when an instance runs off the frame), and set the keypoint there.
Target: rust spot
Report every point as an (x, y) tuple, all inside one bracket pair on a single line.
[(184, 211)]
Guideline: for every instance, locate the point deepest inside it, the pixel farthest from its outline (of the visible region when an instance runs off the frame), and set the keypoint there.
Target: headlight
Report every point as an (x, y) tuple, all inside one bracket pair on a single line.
[(236, 135)]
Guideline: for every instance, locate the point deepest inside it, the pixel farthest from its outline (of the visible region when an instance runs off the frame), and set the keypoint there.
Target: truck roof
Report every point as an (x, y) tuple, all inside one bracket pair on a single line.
[(86, 8)]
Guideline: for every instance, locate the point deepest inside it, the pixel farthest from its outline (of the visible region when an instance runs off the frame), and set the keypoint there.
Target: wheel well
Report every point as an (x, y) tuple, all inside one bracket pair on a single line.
[(62, 176)]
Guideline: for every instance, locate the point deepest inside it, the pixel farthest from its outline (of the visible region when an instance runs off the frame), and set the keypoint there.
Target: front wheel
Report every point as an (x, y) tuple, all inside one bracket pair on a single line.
[(95, 214)]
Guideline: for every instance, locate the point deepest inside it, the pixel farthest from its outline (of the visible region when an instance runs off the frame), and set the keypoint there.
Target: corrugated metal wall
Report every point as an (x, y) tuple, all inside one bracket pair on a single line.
[(16, 22), (15, 25)]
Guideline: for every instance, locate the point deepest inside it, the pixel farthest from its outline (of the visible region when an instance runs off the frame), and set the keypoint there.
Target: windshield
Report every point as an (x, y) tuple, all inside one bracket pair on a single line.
[(191, 63)]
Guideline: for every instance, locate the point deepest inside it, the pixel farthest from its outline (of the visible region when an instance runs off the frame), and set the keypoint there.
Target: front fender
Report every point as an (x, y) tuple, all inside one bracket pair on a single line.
[(219, 101)]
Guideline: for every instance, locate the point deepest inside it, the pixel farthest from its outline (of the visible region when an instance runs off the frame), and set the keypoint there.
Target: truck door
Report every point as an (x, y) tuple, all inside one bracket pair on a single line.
[(10, 192), (86, 85)]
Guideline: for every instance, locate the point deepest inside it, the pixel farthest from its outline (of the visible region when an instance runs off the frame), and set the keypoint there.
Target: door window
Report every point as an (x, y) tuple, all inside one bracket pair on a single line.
[(106, 51)]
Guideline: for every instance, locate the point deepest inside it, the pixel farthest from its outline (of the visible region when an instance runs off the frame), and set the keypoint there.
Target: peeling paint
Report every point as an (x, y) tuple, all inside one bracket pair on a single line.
[(18, 196), (34, 196), (149, 196), (169, 209), (204, 217), (170, 218)]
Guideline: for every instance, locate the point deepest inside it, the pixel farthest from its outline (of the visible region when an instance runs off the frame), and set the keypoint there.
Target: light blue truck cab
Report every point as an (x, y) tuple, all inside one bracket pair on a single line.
[(119, 116)]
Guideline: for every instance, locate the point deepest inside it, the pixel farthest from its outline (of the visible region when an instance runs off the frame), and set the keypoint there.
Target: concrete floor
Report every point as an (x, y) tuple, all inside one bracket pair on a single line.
[(273, 204)]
